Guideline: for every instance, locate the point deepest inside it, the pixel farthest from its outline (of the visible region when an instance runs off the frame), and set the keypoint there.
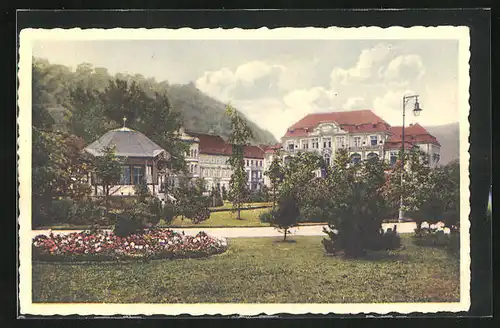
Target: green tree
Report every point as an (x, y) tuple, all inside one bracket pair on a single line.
[(107, 171), (239, 138), (354, 206), (413, 184), (191, 202), (59, 170), (287, 214), (275, 172)]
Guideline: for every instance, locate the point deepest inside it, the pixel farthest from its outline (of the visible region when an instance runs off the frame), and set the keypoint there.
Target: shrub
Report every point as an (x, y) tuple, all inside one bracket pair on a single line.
[(266, 217), (437, 236), (88, 212), (386, 240), (60, 210)]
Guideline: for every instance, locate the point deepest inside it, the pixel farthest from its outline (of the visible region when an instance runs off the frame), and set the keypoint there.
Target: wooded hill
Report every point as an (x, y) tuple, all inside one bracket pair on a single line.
[(198, 112)]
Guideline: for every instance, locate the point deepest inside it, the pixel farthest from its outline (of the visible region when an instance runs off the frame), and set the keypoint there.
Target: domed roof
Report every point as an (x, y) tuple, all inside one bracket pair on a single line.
[(128, 143)]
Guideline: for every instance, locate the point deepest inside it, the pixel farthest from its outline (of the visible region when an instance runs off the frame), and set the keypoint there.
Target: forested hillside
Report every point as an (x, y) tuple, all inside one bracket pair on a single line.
[(198, 112)]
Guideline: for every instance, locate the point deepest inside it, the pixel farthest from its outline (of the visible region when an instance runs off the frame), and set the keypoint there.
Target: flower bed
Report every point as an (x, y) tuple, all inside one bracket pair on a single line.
[(106, 246)]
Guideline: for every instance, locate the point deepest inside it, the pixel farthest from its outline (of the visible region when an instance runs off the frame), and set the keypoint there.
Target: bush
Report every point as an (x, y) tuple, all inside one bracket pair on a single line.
[(257, 197), (386, 240), (88, 212), (266, 217), (437, 237), (60, 210), (143, 215)]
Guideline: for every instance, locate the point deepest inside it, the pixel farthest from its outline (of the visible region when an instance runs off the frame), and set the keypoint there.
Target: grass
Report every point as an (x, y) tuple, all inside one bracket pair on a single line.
[(249, 218), (258, 270), (228, 205)]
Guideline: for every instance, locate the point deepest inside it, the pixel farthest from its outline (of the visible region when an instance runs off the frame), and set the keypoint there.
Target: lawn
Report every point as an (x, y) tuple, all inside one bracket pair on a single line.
[(258, 270), (249, 218)]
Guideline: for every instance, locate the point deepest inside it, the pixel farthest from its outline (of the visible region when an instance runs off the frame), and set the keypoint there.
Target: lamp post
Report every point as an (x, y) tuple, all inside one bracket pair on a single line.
[(416, 112)]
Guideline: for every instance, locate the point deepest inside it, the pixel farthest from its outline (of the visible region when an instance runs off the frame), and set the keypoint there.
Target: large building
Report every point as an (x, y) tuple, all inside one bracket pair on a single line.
[(361, 132), (208, 158)]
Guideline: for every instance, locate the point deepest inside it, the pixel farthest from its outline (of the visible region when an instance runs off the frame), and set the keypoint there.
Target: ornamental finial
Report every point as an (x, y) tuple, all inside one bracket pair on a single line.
[(124, 120)]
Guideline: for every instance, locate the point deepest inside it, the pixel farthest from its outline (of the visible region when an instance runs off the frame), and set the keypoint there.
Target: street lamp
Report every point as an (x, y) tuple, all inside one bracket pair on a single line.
[(416, 111)]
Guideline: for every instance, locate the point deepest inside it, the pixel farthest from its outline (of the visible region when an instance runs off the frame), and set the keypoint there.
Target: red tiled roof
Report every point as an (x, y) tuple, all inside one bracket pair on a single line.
[(269, 149), (414, 133), (351, 121), (215, 145)]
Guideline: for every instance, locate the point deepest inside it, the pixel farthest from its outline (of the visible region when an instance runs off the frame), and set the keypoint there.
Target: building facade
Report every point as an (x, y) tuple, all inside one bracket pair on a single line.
[(361, 132), (208, 157)]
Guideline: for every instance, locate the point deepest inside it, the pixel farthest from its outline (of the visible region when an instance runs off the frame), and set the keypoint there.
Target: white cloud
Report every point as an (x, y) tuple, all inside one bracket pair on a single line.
[(355, 103), (365, 68), (404, 69), (217, 83), (268, 113), (226, 84), (390, 107), (254, 70)]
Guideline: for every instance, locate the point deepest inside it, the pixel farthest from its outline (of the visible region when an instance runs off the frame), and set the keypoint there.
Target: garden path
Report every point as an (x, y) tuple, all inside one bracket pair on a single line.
[(404, 227)]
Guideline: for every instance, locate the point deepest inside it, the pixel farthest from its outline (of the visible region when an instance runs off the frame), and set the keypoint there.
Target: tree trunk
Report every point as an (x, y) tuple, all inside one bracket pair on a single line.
[(239, 213), (284, 239)]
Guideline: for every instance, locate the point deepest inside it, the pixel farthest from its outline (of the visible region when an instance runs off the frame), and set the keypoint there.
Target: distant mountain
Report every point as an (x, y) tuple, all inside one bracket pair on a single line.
[(204, 114), (200, 112), (448, 136)]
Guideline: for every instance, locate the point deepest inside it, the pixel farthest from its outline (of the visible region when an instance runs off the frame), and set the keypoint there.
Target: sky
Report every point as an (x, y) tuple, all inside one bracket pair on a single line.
[(277, 82)]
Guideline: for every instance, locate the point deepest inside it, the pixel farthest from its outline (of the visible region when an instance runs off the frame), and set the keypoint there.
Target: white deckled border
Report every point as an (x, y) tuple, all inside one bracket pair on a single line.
[(28, 36)]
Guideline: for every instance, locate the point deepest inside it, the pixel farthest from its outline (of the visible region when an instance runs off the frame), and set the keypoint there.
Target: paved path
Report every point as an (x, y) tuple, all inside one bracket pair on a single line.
[(406, 227)]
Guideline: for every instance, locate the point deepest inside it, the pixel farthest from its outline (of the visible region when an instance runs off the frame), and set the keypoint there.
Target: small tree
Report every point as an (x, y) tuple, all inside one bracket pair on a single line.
[(287, 214), (107, 169), (354, 206), (238, 138), (275, 172), (191, 202)]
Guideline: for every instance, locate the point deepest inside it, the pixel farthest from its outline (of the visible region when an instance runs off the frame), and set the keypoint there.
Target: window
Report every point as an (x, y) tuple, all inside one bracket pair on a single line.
[(305, 144), (138, 174), (291, 146), (373, 140), (251, 162), (149, 174), (315, 143), (372, 155), (355, 158), (125, 175), (394, 158), (260, 163), (340, 141), (327, 143), (247, 162), (327, 159), (357, 141)]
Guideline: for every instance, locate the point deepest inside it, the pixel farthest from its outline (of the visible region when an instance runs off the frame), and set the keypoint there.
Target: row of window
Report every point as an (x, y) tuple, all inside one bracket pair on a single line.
[(251, 163), (327, 142), (193, 153), (136, 174), (215, 173), (214, 160)]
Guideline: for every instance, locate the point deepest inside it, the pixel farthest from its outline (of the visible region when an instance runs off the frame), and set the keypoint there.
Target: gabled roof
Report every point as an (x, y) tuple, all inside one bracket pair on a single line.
[(415, 133), (128, 142), (211, 144), (351, 121)]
